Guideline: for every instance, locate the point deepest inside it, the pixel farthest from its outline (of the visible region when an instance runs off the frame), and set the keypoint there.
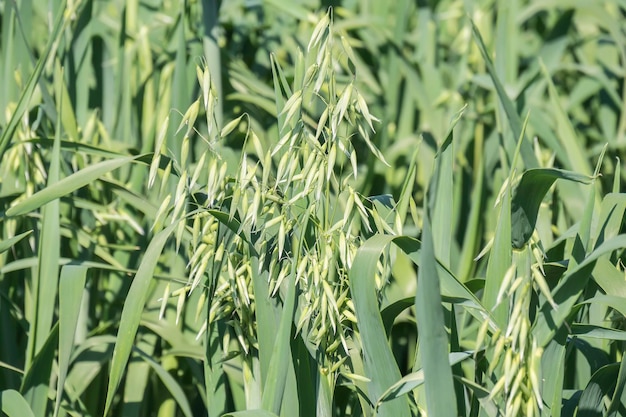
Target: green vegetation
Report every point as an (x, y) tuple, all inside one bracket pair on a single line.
[(284, 208)]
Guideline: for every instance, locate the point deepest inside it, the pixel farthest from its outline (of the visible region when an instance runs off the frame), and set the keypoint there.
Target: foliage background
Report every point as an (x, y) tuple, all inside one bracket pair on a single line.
[(96, 87)]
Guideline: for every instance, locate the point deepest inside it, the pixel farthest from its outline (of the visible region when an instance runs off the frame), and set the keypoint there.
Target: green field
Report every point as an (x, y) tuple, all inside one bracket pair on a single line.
[(312, 208)]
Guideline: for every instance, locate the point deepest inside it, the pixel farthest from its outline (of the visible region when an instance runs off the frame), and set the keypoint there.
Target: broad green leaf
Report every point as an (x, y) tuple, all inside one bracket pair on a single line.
[(71, 286), (591, 401), (36, 381), (597, 332), (576, 154), (8, 243), (132, 311), (251, 413), (500, 260), (47, 276), (380, 365), (413, 380), (610, 218), (441, 197), (67, 185), (528, 195), (169, 382), (275, 383), (617, 303), (568, 290), (432, 331), (62, 19), (553, 372), (266, 315), (618, 398), (280, 364), (515, 122), (214, 375), (390, 312), (14, 405)]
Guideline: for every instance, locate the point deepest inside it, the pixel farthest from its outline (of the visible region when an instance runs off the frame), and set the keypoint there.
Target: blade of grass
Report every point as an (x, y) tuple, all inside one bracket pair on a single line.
[(274, 386), (618, 399), (14, 405), (67, 185), (432, 330), (591, 401), (569, 289), (168, 381), (47, 273), (214, 376), (210, 20), (62, 19), (499, 262), (515, 122), (576, 160), (36, 383), (413, 380), (553, 372), (529, 193), (8, 243), (132, 311), (71, 285), (380, 364), (441, 191), (275, 382), (251, 413)]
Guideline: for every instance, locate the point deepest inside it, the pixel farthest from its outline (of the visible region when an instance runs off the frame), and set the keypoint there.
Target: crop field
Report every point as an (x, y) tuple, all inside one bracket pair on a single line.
[(262, 208)]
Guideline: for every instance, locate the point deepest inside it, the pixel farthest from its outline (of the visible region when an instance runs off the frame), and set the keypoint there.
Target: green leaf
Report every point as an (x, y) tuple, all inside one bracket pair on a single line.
[(132, 311), (597, 332), (432, 331), (8, 243), (602, 383), (575, 154), (413, 380), (62, 19), (619, 395), (67, 185), (71, 286), (275, 382), (549, 320), (528, 195), (515, 121), (441, 195), (173, 387), (14, 405), (251, 413), (36, 382), (380, 364)]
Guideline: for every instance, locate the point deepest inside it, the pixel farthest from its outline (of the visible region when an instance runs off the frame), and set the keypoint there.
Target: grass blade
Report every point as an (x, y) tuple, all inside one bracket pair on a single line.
[(132, 311), (169, 382), (14, 405), (432, 330), (413, 380), (8, 243), (515, 122), (569, 289), (63, 17), (251, 413), (380, 364), (67, 185), (275, 382), (531, 190), (618, 399), (71, 285)]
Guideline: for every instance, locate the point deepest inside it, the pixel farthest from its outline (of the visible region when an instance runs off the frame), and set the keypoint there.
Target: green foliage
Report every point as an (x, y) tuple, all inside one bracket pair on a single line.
[(278, 209)]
